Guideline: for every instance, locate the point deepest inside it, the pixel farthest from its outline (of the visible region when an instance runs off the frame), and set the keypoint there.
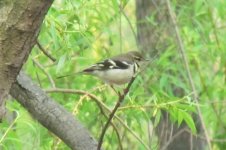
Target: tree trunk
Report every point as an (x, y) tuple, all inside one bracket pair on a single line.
[(152, 39), (20, 22), (151, 35)]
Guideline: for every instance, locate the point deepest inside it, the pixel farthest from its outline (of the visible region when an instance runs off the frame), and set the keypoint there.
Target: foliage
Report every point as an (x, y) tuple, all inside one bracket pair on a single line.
[(79, 33)]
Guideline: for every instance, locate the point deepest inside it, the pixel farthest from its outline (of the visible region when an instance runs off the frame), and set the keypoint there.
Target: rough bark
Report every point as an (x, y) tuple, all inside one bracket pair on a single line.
[(51, 115), (152, 38), (20, 22)]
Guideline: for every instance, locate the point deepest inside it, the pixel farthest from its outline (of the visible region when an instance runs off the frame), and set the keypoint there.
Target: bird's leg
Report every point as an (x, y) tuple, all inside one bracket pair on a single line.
[(117, 92)]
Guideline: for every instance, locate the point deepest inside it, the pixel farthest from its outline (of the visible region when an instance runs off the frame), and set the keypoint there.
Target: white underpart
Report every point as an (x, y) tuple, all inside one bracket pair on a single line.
[(116, 76)]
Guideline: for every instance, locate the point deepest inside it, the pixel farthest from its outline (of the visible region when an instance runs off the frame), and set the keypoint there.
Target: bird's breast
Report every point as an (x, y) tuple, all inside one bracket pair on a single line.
[(117, 76)]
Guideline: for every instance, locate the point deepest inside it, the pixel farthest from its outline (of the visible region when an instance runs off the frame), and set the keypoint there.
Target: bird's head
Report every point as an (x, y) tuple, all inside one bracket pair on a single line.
[(136, 56)]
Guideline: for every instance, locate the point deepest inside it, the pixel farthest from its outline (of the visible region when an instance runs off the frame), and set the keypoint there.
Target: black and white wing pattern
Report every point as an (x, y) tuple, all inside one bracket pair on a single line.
[(106, 65)]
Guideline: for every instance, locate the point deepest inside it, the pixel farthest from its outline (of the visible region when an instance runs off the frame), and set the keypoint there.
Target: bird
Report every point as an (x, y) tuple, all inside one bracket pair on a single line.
[(116, 70)]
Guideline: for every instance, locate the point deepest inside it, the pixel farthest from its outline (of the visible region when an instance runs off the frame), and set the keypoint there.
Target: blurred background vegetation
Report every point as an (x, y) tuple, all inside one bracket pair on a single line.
[(82, 32)]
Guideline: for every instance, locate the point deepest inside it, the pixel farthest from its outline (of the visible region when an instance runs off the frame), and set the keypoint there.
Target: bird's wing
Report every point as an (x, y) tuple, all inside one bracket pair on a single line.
[(107, 64)]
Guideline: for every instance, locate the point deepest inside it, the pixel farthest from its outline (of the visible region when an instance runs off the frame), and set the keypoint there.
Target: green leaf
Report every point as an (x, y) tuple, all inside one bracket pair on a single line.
[(61, 63), (180, 118), (189, 121), (157, 118), (155, 111), (173, 114)]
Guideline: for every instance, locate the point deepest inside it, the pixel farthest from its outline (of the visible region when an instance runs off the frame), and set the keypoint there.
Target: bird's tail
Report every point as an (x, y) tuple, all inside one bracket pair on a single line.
[(89, 70), (68, 75)]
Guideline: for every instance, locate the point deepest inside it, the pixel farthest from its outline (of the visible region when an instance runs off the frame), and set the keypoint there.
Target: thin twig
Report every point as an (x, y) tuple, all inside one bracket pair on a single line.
[(71, 91), (120, 26), (116, 131), (150, 133), (9, 128), (214, 26), (45, 52), (100, 103), (105, 115), (203, 138), (37, 75), (129, 22), (172, 138), (120, 100), (182, 51), (45, 72)]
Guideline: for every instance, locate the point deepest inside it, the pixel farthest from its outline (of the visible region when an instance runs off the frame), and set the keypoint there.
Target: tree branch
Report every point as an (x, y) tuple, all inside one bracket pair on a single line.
[(100, 105), (191, 82), (51, 115), (44, 51), (120, 100)]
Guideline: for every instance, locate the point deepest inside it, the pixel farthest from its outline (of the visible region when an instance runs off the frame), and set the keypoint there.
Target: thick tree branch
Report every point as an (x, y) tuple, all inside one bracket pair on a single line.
[(51, 115)]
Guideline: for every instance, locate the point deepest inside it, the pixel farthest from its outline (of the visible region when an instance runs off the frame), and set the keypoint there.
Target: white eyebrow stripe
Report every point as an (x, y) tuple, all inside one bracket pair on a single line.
[(112, 62)]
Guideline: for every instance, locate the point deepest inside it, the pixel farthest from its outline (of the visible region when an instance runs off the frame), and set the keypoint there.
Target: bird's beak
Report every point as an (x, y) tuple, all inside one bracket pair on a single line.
[(147, 59)]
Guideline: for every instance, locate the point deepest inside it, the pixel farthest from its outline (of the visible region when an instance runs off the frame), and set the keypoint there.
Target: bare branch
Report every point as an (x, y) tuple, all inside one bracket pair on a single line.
[(45, 72), (101, 105), (182, 51), (172, 138), (120, 100), (44, 51)]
